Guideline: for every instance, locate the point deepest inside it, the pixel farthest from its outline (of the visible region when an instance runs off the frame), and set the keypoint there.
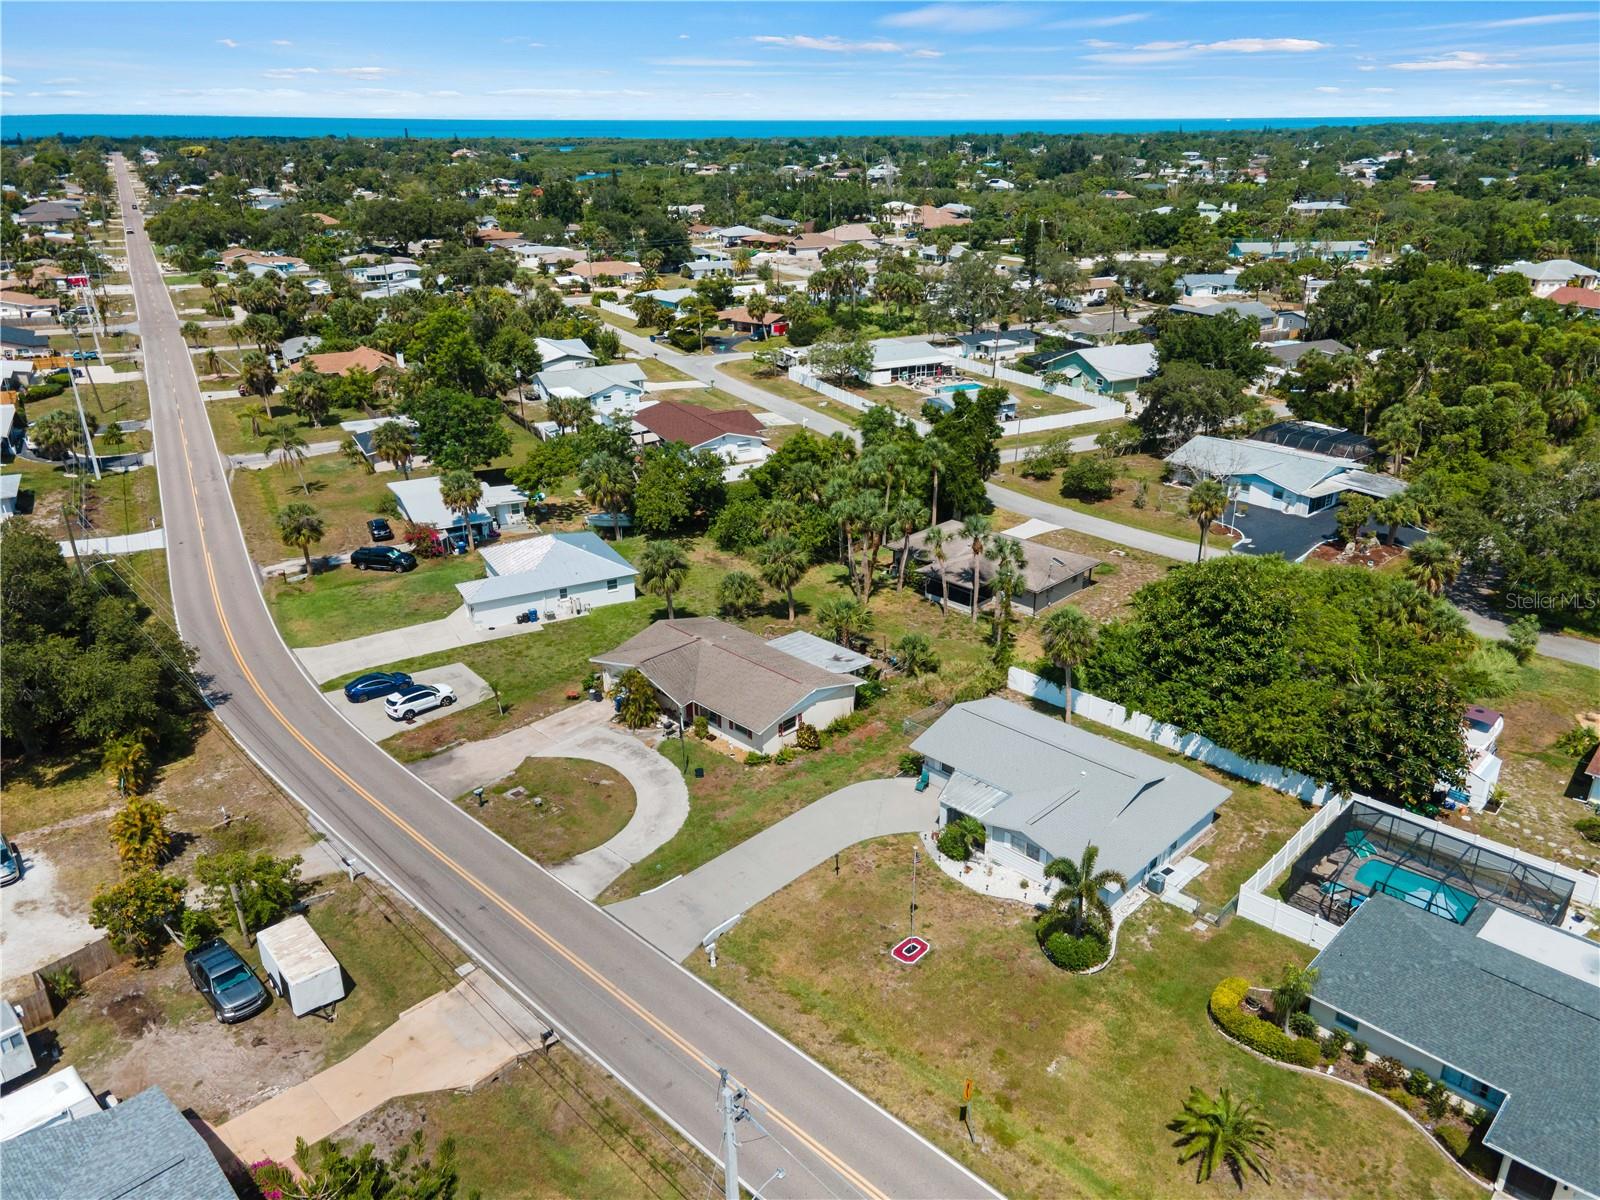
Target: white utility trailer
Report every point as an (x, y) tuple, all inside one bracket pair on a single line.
[(300, 967)]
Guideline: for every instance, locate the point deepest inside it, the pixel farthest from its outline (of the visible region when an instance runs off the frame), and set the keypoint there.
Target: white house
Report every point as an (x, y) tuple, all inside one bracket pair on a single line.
[(734, 435), (562, 354), (1003, 344), (1299, 482), (907, 361), (749, 691), (1044, 790), (555, 575), (612, 389), (500, 506), (21, 306), (388, 274), (16, 1056), (1480, 729), (54, 1100), (1546, 277)]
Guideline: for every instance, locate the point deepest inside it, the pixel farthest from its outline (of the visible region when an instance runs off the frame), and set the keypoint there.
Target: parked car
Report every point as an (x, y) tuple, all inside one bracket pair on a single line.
[(10, 862), (85, 355), (226, 981), (421, 698), (379, 528), (382, 558), (375, 684)]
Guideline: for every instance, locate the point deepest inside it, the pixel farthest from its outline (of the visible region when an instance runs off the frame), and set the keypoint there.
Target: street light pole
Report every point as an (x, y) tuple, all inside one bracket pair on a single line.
[(916, 857)]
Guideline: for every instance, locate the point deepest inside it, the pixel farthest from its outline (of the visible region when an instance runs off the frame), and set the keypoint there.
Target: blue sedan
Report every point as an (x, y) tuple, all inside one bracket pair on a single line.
[(375, 685)]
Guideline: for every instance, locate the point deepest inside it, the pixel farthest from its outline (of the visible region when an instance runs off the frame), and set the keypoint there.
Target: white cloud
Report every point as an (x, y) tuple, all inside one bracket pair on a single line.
[(927, 54), (1109, 22), (228, 42), (1456, 60), (683, 37), (363, 72), (288, 72), (6, 92), (1328, 91), (959, 18), (65, 92), (6, 79), (1560, 18), (1100, 44), (1154, 52), (684, 60), (281, 42), (1378, 91), (830, 44)]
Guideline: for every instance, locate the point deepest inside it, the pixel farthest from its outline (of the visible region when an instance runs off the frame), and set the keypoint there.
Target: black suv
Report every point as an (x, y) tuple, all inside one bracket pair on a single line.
[(226, 981), (382, 558)]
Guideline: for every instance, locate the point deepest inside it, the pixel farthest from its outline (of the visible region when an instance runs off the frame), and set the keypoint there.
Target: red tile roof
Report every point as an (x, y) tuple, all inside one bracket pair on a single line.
[(342, 362), (1582, 297), (693, 425)]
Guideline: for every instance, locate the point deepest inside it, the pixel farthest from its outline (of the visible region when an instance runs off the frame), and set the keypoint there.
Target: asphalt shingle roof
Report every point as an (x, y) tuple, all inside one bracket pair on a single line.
[(1526, 1028)]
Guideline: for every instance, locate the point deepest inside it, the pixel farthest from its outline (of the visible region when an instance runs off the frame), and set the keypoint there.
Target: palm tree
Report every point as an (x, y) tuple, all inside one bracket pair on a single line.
[(916, 655), (127, 759), (739, 594), (139, 833), (779, 516), (350, 450), (908, 516), (1079, 893), (783, 564), (978, 532), (937, 544), (1007, 582), (54, 434), (255, 372), (843, 618), (662, 569), (1068, 636), (1207, 501), (190, 332), (256, 413), (935, 454), (394, 444), (1432, 565), (213, 362), (460, 492), (607, 480), (300, 528), (285, 441), (1221, 1131), (1293, 989)]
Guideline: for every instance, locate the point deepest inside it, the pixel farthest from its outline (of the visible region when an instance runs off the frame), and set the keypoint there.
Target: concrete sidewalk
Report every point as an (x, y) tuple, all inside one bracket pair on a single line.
[(676, 916), (1109, 531), (583, 730), (455, 1039), (124, 543), (397, 645)]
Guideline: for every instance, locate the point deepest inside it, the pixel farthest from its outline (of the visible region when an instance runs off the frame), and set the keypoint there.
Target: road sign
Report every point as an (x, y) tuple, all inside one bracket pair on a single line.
[(910, 951)]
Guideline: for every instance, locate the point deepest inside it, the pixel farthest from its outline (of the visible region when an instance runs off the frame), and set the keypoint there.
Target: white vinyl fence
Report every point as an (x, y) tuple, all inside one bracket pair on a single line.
[(1065, 390)]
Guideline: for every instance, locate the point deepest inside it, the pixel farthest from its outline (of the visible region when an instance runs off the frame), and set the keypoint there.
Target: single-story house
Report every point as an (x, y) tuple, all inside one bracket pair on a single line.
[(709, 268), (388, 274), (813, 245), (1546, 277), (1002, 344), (50, 213), (58, 1099), (13, 432), (1289, 249), (905, 362), (1049, 575), (17, 374), (611, 389), (141, 1149), (556, 575), (1309, 208), (1319, 439), (563, 354), (422, 504), (292, 350), (1287, 355), (1265, 317), (16, 342), (362, 429), (749, 692), (1043, 361), (1503, 1010), (607, 268), (24, 306), (342, 362), (668, 297), (1209, 284), (857, 233), (771, 324), (1110, 370), (1582, 297), (1044, 789), (734, 434), (820, 652), (1300, 482), (392, 288)]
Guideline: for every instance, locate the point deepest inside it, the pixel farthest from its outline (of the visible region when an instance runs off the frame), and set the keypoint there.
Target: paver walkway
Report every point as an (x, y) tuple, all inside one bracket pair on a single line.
[(661, 800), (676, 916), (452, 1040)]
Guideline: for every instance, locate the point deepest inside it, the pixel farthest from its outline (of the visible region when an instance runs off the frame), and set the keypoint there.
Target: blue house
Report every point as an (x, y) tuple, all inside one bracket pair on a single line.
[(1289, 250)]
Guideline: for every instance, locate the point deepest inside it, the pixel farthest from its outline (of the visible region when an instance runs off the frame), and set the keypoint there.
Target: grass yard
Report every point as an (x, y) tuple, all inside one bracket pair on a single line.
[(230, 421), (344, 603), (1076, 1076), (657, 371), (345, 496), (119, 502), (611, 318), (1164, 510), (1012, 441), (584, 805), (778, 385)]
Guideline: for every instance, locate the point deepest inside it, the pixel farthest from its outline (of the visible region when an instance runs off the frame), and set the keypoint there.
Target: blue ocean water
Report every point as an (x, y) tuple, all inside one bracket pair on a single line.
[(124, 125)]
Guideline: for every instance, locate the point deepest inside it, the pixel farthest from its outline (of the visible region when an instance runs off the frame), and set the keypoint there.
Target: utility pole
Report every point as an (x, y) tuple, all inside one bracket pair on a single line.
[(731, 1101), (916, 857)]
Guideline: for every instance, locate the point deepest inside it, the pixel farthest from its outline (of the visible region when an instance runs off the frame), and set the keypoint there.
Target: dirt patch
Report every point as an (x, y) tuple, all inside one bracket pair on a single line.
[(38, 923), (1357, 554)]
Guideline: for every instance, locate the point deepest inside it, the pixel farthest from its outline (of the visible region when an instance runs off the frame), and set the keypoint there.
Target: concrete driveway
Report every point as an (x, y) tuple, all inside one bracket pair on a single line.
[(676, 916), (371, 719), (376, 650), (661, 800)]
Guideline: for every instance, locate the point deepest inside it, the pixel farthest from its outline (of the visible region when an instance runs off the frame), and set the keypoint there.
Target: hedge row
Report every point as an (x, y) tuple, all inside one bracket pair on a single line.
[(1260, 1035), (1076, 953)]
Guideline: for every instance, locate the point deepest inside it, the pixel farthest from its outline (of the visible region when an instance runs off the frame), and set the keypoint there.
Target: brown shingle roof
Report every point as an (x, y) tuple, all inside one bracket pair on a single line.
[(693, 425), (607, 266), (930, 217), (702, 660), (342, 362), (1043, 566)]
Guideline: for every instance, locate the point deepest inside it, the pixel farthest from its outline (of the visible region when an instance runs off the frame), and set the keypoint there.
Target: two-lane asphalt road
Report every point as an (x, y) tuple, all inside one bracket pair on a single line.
[(654, 1025)]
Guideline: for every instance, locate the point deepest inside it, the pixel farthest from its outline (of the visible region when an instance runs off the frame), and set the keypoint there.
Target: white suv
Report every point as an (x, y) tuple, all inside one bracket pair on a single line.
[(424, 697)]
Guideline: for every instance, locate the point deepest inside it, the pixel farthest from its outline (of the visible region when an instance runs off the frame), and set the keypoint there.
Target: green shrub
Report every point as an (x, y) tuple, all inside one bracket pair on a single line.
[(869, 693), (840, 726), (1089, 478), (1332, 1046), (63, 984), (911, 763), (702, 727), (959, 838), (1261, 1036), (1358, 1052), (1454, 1139), (1438, 1101), (1303, 1024), (1477, 1116), (1589, 829), (755, 758), (807, 737), (1076, 953), (1418, 1083), (986, 682), (1387, 1073), (784, 756), (1576, 742)]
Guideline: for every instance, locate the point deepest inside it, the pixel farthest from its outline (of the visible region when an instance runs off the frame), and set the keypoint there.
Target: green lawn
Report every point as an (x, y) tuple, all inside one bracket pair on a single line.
[(119, 502), (345, 603), (584, 805), (1012, 441), (1075, 1076), (231, 424), (659, 372), (1164, 510), (344, 495)]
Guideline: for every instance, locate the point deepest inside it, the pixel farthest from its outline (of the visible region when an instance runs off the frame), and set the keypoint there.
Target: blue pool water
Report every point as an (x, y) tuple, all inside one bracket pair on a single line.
[(953, 388), (1419, 890)]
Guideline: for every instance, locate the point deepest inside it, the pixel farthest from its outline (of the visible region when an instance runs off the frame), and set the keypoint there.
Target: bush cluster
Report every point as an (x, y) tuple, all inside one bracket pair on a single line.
[(807, 737), (1589, 829), (959, 838), (755, 758), (1303, 1024), (1387, 1074), (784, 756), (1076, 953), (840, 726), (911, 763), (1260, 1035)]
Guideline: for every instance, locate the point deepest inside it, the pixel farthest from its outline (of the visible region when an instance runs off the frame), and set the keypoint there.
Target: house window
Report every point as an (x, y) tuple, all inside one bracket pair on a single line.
[(712, 719), (1344, 1022), (1465, 1083), (790, 725), (740, 729), (611, 585), (563, 593), (1277, 493)]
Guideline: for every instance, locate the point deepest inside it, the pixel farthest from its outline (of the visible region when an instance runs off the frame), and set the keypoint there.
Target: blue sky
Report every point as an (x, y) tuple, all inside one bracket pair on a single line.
[(1003, 61)]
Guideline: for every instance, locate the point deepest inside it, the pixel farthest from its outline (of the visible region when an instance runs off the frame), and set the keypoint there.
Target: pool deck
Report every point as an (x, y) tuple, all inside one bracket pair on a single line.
[(1339, 872)]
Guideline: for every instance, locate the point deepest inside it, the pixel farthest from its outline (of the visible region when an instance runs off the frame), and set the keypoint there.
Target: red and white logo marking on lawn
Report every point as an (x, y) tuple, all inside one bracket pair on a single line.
[(910, 951)]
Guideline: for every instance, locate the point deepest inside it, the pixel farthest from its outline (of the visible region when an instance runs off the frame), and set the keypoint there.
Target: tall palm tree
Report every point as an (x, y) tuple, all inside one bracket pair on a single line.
[(1068, 636), (607, 480), (255, 372), (300, 528), (127, 759), (843, 618), (1079, 893), (662, 569), (139, 833), (938, 543), (1432, 565), (783, 564), (978, 532), (190, 332), (935, 454), (1009, 563), (1221, 1131), (780, 515), (460, 491), (54, 434), (213, 361), (394, 443), (350, 450), (908, 516), (1208, 499), (285, 441)]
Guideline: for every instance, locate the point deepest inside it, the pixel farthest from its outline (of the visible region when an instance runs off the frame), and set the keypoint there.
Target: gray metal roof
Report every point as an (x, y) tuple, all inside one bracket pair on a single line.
[(591, 381), (1290, 353), (143, 1149), (543, 564), (1521, 1025), (1300, 471), (820, 652), (1067, 788)]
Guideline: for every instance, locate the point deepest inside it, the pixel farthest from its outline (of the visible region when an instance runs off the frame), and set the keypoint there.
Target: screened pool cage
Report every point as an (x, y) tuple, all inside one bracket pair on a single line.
[(1370, 851)]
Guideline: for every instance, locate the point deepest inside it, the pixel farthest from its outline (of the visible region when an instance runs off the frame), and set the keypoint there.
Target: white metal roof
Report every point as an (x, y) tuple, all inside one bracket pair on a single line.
[(296, 949), (45, 1102), (820, 652)]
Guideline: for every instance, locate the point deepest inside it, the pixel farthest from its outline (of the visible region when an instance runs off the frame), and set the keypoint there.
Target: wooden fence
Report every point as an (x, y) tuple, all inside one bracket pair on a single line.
[(85, 963)]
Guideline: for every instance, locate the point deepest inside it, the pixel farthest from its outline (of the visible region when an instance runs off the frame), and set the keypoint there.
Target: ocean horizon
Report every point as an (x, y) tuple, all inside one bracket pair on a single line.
[(126, 125)]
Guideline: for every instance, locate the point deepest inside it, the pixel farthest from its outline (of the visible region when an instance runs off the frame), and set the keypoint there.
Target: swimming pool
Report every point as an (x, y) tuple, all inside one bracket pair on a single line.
[(952, 388), (1419, 890)]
